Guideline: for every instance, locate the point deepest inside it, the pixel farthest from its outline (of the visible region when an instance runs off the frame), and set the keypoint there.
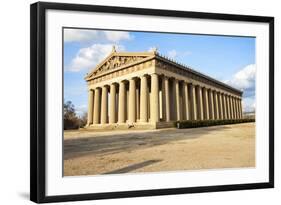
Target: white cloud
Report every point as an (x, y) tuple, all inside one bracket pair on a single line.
[(186, 53), (153, 48), (81, 109), (87, 58), (79, 35), (116, 36), (245, 80), (74, 90), (249, 104), (172, 53), (72, 35)]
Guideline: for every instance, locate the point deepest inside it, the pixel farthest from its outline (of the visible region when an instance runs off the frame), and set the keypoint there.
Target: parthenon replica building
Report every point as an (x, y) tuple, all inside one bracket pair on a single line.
[(148, 91)]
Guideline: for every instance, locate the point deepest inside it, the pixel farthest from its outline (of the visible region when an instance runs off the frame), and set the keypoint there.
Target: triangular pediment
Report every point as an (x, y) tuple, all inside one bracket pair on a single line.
[(116, 60)]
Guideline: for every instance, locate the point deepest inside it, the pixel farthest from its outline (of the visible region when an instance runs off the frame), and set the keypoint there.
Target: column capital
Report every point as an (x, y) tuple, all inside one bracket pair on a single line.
[(97, 88), (144, 76), (154, 74), (191, 84), (123, 81), (198, 86), (174, 79), (165, 76), (105, 86), (114, 83)]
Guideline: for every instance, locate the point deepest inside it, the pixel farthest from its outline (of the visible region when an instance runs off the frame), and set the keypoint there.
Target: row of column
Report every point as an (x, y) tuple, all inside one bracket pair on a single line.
[(211, 104), (159, 98)]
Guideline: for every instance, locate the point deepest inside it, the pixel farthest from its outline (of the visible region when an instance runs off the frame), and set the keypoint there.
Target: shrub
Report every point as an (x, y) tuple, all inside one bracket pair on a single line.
[(206, 123)]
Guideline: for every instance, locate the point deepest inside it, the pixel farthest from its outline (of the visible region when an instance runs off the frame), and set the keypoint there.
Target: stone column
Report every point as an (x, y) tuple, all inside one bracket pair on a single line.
[(185, 101), (132, 101), (112, 108), (224, 107), (96, 119), (231, 107), (154, 101), (206, 104), (173, 101), (200, 115), (211, 104), (193, 103), (220, 106), (241, 107), (228, 107), (90, 106), (163, 100), (238, 106), (238, 109), (178, 107), (121, 103), (235, 108), (166, 99), (137, 102), (104, 110), (144, 99), (216, 106), (127, 104)]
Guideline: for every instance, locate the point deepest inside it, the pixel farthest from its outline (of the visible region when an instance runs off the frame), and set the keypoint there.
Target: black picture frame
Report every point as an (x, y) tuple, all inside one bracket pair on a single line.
[(38, 103)]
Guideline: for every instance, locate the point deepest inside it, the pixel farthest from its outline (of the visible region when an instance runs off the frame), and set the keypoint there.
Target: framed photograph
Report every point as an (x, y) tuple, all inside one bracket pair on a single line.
[(129, 102)]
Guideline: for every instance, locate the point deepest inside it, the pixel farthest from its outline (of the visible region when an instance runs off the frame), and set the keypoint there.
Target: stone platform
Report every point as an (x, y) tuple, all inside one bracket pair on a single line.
[(126, 126)]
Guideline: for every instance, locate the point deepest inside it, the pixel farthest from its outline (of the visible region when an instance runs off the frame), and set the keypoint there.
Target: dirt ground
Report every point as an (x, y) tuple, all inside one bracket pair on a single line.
[(115, 152)]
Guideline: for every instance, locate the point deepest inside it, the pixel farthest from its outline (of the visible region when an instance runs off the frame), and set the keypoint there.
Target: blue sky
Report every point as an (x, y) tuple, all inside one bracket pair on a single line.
[(226, 58)]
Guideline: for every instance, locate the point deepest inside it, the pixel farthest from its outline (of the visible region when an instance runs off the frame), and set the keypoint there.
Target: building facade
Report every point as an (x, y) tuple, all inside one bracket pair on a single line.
[(146, 90)]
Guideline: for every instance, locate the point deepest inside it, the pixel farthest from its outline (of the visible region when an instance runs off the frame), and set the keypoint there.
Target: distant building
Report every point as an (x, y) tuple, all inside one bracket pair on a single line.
[(249, 115), (147, 90)]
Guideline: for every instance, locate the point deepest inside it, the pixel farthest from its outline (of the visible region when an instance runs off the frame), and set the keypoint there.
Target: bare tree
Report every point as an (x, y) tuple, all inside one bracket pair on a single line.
[(83, 119), (71, 121)]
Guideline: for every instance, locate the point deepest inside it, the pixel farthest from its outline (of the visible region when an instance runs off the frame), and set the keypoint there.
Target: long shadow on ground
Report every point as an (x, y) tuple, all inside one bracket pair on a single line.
[(133, 167), (109, 144)]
